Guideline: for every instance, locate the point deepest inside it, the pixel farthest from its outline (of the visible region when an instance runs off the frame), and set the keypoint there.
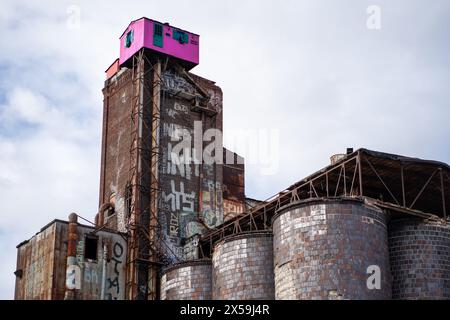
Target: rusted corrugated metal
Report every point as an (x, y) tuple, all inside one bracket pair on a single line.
[(34, 275), (42, 261), (60, 261)]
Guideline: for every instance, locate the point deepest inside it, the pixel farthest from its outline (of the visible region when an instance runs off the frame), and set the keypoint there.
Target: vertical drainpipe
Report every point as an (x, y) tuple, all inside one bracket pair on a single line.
[(102, 297), (200, 178), (104, 148), (101, 216), (71, 256), (156, 107)]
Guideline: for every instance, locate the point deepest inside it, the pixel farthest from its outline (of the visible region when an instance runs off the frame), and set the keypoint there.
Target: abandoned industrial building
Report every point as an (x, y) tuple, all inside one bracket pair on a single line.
[(168, 229)]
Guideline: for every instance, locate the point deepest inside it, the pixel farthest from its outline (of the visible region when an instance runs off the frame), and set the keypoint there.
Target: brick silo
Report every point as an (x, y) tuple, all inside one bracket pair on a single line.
[(325, 249), (420, 259), (243, 267), (190, 280)]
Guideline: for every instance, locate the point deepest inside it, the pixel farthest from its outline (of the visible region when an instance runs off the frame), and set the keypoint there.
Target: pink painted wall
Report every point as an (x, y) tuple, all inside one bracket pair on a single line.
[(138, 40), (143, 37)]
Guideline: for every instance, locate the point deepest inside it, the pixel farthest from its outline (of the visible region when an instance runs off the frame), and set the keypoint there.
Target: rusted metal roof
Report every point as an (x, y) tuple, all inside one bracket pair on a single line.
[(165, 23), (393, 182)]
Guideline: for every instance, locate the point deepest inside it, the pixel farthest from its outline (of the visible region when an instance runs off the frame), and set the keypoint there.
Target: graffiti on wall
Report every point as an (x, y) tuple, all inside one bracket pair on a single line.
[(174, 83), (73, 277), (191, 225), (80, 252), (215, 100), (212, 202), (180, 167), (190, 191), (113, 286), (34, 274), (177, 200), (232, 208), (177, 109), (87, 275), (91, 274), (119, 204), (180, 195), (184, 152)]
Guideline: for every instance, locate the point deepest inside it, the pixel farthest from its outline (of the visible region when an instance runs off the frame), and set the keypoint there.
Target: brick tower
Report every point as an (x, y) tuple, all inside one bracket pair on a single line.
[(155, 185)]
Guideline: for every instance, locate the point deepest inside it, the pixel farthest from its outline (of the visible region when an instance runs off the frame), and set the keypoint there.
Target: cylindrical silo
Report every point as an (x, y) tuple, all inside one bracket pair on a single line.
[(189, 280), (420, 259), (331, 249), (243, 267)]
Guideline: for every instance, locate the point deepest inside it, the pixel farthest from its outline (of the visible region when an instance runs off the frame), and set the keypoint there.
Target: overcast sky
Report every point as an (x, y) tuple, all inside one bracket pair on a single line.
[(311, 72)]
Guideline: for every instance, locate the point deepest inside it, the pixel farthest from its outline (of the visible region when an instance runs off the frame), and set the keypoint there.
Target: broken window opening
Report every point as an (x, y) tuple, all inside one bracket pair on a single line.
[(90, 247), (129, 39)]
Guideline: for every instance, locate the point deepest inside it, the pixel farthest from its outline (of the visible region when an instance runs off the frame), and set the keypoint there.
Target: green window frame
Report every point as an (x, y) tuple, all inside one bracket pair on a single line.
[(158, 35), (129, 39), (180, 36)]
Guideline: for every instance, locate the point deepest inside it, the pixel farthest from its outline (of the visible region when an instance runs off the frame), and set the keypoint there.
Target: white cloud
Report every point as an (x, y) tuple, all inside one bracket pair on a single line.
[(310, 69), (24, 105)]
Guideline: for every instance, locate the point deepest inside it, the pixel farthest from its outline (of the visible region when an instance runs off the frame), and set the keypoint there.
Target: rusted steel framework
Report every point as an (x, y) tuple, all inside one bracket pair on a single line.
[(147, 249), (143, 196), (395, 183)]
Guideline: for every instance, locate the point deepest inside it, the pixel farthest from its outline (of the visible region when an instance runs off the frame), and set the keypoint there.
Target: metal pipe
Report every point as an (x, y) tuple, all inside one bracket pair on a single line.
[(402, 176), (156, 106), (104, 150), (423, 188), (102, 296), (345, 180), (73, 270), (444, 211), (382, 181), (360, 175)]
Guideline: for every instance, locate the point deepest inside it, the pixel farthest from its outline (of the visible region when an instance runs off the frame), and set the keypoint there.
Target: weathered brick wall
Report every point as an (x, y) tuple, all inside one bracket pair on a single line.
[(322, 250), (191, 196), (116, 142), (187, 281), (243, 267), (233, 185), (420, 259)]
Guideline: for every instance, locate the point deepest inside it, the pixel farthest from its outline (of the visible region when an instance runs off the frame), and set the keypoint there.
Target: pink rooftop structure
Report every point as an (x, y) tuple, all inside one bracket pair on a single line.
[(160, 38)]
